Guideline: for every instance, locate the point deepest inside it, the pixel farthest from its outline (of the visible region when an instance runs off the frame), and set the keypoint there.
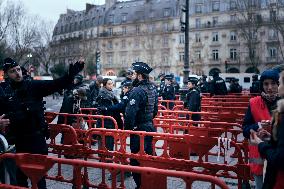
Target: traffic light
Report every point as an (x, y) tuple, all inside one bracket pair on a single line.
[(98, 57), (98, 60)]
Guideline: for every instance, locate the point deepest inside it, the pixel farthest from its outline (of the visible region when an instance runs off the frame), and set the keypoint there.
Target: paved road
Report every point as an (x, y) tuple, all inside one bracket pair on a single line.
[(95, 174)]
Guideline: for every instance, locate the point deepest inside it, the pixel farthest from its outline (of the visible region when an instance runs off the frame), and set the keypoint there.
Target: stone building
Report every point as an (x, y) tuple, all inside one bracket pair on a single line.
[(149, 31)]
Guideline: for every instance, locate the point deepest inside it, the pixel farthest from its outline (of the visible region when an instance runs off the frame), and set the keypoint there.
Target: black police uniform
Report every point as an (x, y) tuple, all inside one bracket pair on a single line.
[(204, 86), (255, 87), (24, 108), (218, 86), (140, 111), (161, 87), (193, 101), (168, 93), (235, 87)]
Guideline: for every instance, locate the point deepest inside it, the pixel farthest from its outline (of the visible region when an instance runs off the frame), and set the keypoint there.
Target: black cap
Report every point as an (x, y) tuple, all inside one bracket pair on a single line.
[(193, 80), (169, 77), (129, 72), (141, 67), (161, 75), (204, 76), (9, 63)]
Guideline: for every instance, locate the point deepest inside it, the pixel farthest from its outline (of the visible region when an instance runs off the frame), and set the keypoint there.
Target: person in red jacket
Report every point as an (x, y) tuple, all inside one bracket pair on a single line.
[(273, 150), (258, 118)]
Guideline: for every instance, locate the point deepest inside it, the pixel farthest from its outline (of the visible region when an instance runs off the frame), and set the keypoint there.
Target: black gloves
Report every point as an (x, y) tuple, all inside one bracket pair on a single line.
[(74, 69)]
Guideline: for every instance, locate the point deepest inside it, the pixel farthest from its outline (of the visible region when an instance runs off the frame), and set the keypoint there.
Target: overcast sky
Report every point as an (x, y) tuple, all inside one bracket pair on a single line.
[(51, 9)]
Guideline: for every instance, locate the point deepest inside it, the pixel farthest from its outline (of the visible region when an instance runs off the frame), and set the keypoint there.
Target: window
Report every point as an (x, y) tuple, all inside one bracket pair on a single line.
[(198, 54), (166, 26), (166, 12), (252, 53), (233, 18), (197, 38), (272, 15), (109, 44), (253, 35), (181, 39), (215, 54), (181, 56), (110, 31), (123, 17), (109, 58), (197, 23), (252, 3), (233, 4), (215, 6), (111, 19), (123, 58), (272, 34), (165, 41), (215, 21), (233, 36), (151, 28), (272, 52), (123, 30), (233, 54), (165, 59), (198, 8), (215, 36), (123, 44), (137, 28), (136, 43)]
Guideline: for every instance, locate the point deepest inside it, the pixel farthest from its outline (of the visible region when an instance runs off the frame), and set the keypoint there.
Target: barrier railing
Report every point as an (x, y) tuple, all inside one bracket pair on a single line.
[(37, 166)]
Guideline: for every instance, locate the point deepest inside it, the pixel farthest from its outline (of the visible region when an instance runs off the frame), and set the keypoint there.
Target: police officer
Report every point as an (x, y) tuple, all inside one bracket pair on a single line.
[(140, 111), (127, 79), (218, 85), (169, 92), (193, 99), (235, 87), (162, 84), (204, 85), (24, 108), (255, 87)]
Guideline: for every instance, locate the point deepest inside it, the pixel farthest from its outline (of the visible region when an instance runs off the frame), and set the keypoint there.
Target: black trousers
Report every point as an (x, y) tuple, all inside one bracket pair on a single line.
[(33, 144), (135, 148)]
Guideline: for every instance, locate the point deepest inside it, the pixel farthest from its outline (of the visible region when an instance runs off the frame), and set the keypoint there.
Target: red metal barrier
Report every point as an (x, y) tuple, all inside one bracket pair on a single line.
[(167, 102), (174, 154), (36, 166)]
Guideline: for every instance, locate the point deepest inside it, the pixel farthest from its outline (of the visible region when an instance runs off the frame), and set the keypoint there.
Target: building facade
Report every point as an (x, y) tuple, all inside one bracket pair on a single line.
[(221, 38)]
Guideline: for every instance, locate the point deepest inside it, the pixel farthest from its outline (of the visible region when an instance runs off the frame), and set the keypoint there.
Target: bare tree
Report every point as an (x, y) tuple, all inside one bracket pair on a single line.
[(249, 21), (42, 52), (6, 17), (277, 20)]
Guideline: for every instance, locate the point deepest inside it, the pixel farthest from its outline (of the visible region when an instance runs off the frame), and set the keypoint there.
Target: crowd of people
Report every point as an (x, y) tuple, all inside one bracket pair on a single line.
[(22, 120)]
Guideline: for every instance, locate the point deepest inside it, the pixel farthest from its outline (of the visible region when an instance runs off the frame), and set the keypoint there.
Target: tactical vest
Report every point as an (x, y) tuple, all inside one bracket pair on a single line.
[(259, 111), (151, 94)]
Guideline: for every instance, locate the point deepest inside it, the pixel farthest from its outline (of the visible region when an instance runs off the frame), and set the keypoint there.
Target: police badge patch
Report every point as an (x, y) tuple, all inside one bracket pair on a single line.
[(132, 102)]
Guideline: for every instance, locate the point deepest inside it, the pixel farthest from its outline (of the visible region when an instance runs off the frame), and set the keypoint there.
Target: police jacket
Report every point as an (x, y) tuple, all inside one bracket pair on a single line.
[(161, 87), (121, 106), (142, 106), (204, 87), (255, 87), (23, 105), (168, 92), (193, 100), (218, 86), (235, 88)]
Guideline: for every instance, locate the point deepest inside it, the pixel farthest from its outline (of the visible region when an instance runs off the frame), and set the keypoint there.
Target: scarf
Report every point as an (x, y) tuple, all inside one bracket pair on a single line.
[(107, 94), (269, 98)]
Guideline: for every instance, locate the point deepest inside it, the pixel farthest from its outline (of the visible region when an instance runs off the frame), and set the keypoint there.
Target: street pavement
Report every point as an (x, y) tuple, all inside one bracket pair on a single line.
[(53, 105)]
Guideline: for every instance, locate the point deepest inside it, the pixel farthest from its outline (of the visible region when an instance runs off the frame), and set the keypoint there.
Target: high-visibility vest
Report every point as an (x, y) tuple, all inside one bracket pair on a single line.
[(259, 111)]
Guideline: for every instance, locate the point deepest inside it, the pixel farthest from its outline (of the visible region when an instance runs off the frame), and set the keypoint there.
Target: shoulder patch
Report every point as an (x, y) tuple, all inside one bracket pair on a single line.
[(132, 102), (125, 97)]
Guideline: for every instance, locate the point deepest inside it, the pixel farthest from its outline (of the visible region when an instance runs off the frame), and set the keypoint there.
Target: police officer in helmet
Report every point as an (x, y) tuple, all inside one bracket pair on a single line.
[(140, 111), (168, 92), (24, 107)]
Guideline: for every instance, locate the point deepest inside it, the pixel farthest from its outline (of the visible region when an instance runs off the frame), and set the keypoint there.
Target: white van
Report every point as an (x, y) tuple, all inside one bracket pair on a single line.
[(245, 79)]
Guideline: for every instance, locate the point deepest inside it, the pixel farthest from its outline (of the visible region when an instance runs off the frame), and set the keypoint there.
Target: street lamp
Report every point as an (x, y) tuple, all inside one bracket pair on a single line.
[(192, 64), (30, 70)]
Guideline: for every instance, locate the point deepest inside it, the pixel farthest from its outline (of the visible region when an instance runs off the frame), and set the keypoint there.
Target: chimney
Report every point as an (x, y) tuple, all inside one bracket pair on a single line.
[(110, 3)]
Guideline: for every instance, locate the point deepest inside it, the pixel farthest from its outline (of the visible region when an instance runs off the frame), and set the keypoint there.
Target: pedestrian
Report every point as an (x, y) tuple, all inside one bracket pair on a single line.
[(140, 112), (258, 118), (218, 85), (273, 148), (106, 99), (162, 83), (168, 92), (204, 85), (94, 90), (193, 99), (235, 87), (24, 107)]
